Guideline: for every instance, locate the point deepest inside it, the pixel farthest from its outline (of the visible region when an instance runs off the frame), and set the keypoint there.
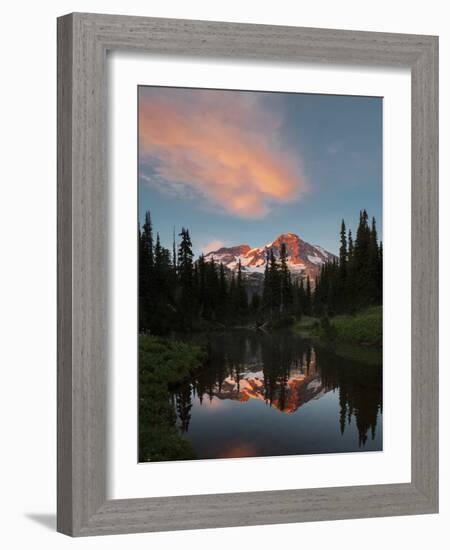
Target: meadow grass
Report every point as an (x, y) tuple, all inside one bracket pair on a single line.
[(364, 328), (163, 364)]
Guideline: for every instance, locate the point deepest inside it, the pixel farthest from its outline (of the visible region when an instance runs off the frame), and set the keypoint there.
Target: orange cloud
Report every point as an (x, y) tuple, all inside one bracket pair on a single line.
[(224, 146)]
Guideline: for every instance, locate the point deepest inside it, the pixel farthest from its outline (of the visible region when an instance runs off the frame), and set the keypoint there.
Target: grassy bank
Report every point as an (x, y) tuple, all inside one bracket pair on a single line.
[(163, 363), (306, 326), (364, 328)]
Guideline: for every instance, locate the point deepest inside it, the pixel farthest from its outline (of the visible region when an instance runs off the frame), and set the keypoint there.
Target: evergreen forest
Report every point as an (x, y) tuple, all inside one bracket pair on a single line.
[(178, 293)]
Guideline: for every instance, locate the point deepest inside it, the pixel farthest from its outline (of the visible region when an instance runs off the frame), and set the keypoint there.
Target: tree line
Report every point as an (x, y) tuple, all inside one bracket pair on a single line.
[(355, 281), (177, 292)]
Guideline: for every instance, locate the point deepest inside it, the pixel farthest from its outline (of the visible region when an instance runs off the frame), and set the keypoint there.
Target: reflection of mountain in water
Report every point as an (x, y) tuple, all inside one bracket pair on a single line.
[(286, 372), (303, 384)]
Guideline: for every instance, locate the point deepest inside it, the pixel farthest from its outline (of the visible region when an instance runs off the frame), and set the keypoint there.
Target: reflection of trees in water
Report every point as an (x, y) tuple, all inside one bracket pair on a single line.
[(284, 357), (293, 372), (229, 357), (183, 405), (360, 391)]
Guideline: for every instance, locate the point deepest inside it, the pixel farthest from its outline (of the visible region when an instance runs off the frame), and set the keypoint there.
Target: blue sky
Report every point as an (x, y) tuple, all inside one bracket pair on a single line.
[(244, 167)]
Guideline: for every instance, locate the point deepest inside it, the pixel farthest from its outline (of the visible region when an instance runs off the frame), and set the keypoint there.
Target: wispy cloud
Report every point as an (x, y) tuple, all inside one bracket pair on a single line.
[(226, 147)]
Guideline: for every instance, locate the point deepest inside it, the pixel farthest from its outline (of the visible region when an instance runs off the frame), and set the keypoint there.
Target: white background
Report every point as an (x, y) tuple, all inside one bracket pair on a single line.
[(127, 479), (27, 287)]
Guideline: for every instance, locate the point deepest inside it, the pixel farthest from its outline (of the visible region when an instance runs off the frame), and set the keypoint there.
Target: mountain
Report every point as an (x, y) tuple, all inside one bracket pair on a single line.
[(303, 259)]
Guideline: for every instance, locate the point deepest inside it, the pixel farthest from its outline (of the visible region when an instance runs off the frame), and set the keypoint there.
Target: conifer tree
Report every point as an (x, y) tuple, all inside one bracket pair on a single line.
[(266, 286), (142, 281), (308, 300), (285, 282), (185, 258), (174, 252), (379, 295), (241, 302), (201, 284), (350, 281), (373, 265), (223, 294), (212, 290), (232, 299), (361, 261), (145, 272), (343, 249), (350, 245), (341, 286), (185, 274), (147, 237), (274, 283), (161, 310), (301, 297), (318, 292)]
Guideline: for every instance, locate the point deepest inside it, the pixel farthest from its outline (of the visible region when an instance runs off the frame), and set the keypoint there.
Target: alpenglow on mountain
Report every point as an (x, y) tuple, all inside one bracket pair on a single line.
[(303, 259)]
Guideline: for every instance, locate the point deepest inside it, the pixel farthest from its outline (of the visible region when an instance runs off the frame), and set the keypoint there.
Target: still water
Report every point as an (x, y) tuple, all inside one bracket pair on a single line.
[(278, 394)]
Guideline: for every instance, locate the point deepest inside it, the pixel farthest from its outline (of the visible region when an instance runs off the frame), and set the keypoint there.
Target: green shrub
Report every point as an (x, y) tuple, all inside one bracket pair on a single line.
[(163, 363)]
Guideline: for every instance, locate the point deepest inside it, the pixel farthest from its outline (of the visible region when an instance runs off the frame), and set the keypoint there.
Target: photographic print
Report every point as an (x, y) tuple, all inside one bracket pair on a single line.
[(260, 273)]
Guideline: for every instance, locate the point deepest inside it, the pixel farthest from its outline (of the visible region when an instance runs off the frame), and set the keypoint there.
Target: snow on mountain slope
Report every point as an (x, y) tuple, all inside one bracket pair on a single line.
[(303, 259)]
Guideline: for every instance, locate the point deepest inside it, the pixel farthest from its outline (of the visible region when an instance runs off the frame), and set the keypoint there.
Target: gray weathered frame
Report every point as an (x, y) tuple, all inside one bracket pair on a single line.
[(83, 40)]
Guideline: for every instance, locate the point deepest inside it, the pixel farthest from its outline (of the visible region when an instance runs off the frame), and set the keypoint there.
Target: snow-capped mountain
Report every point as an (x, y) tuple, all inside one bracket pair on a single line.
[(303, 259)]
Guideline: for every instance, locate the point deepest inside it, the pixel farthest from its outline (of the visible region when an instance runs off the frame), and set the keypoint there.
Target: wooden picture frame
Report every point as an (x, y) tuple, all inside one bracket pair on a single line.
[(83, 41)]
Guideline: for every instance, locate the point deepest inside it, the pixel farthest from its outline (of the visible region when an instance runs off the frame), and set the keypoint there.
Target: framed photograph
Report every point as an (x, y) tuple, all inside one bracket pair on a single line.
[(247, 274)]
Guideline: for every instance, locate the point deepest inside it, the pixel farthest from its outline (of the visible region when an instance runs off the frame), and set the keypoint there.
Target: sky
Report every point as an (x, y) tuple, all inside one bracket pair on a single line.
[(238, 167)]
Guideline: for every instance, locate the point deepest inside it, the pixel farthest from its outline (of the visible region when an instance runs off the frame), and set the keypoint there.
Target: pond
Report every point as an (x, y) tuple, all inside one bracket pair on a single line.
[(279, 394)]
